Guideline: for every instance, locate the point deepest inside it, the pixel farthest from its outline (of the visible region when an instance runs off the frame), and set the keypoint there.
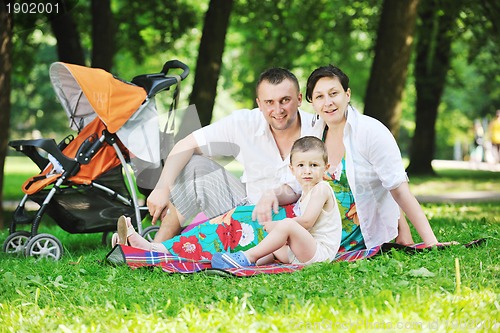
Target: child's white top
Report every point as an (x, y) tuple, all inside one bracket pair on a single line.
[(328, 228)]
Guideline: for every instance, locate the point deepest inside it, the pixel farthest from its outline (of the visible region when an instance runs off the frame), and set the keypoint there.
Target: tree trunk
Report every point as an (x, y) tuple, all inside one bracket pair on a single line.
[(103, 32), (390, 65), (432, 63), (69, 48), (6, 24), (209, 63)]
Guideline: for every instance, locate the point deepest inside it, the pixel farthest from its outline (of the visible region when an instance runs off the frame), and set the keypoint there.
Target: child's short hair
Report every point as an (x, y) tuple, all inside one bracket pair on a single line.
[(307, 143)]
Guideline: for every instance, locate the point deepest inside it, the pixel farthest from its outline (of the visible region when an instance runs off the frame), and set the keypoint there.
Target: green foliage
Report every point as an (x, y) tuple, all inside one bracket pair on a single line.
[(300, 36), (146, 29), (289, 33)]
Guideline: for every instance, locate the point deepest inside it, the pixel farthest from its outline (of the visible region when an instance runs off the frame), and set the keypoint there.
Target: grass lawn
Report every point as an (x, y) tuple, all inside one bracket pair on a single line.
[(394, 292)]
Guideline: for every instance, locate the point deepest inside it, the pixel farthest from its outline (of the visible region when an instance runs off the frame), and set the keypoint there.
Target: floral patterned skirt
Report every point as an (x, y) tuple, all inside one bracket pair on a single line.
[(231, 232)]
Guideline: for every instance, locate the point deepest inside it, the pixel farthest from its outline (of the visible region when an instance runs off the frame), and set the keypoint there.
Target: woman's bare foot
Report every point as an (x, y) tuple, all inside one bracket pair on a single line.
[(127, 234)]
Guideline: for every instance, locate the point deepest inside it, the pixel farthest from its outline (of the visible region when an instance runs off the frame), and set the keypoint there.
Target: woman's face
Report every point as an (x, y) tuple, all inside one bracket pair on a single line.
[(330, 100)]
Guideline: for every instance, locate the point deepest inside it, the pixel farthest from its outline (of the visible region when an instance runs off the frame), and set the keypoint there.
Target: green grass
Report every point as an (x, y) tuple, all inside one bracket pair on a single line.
[(80, 293), (393, 292)]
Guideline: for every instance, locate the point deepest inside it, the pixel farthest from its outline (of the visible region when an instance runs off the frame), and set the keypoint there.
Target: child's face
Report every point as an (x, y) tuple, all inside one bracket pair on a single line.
[(308, 167)]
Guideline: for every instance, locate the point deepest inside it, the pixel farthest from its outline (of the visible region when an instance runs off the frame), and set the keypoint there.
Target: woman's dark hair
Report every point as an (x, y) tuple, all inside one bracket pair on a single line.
[(325, 71)]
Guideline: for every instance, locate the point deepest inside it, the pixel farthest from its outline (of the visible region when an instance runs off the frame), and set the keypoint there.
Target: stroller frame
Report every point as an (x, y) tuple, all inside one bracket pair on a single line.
[(46, 245)]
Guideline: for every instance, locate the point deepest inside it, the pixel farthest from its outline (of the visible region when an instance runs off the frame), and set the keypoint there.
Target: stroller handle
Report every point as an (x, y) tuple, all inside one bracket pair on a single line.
[(171, 64), (154, 83)]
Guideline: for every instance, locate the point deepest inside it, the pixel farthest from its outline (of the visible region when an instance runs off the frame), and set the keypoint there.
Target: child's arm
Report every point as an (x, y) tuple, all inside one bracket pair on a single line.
[(320, 195)]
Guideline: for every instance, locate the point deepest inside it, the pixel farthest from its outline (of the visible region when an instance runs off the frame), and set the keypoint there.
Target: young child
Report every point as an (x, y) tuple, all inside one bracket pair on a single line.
[(314, 235)]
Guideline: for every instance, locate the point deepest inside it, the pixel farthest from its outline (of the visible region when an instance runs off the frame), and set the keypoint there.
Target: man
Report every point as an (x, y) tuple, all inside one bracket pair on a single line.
[(260, 139)]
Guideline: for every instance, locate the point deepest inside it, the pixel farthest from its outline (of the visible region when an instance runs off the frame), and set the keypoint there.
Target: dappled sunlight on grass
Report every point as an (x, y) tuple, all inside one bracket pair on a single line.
[(392, 292)]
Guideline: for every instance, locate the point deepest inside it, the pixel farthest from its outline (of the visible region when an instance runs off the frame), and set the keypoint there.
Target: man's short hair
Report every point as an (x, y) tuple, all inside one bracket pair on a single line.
[(275, 76)]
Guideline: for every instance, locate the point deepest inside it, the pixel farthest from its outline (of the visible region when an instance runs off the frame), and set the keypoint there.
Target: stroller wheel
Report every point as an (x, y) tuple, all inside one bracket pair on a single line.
[(16, 242), (150, 232), (44, 246)]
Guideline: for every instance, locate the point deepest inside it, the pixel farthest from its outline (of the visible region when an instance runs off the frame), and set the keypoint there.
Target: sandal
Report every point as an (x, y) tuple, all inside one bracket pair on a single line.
[(230, 260), (124, 230), (114, 240)]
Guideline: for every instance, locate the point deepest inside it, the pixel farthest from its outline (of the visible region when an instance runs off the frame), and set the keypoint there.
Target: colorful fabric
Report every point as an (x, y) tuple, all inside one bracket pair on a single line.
[(136, 258), (352, 238), (231, 232), (235, 231)]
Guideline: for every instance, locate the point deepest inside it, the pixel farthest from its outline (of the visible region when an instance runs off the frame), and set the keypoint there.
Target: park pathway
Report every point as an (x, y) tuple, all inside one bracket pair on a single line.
[(464, 196)]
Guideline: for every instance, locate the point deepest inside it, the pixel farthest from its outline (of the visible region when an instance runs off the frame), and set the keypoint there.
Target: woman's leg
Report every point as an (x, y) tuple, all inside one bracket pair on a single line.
[(127, 232), (404, 233)]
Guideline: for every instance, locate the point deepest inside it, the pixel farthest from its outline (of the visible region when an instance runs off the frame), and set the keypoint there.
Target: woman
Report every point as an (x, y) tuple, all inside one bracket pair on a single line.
[(367, 172)]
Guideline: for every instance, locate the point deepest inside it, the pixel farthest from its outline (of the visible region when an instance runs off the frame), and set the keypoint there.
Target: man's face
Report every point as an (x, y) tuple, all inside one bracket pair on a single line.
[(279, 103)]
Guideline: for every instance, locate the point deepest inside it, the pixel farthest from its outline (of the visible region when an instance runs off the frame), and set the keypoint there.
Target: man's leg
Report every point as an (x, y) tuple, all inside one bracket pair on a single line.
[(203, 186)]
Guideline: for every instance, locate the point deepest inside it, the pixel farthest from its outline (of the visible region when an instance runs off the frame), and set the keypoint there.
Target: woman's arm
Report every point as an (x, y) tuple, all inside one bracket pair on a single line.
[(409, 204)]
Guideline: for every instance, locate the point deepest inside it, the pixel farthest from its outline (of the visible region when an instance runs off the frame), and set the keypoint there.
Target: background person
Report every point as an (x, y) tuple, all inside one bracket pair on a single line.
[(494, 133)]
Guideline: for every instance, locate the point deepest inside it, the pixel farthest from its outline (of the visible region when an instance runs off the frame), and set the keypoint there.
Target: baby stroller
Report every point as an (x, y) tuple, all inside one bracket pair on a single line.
[(85, 182)]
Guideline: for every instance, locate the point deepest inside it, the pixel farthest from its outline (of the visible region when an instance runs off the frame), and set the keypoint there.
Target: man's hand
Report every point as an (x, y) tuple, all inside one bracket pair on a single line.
[(157, 203), (267, 204)]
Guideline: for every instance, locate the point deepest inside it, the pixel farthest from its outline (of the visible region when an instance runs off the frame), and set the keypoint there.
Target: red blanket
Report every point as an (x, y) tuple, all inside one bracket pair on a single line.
[(136, 258)]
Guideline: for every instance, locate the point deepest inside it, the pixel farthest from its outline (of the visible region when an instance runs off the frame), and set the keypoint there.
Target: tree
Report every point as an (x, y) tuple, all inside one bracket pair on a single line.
[(103, 33), (209, 63), (390, 66), (69, 47), (435, 35), (6, 23)]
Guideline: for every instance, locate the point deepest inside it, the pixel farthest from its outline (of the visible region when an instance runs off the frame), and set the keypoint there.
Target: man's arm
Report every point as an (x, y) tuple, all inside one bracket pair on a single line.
[(159, 198), (271, 200)]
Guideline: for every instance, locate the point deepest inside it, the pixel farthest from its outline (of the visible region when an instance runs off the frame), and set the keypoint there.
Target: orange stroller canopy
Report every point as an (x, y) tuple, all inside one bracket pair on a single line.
[(84, 90), (125, 109)]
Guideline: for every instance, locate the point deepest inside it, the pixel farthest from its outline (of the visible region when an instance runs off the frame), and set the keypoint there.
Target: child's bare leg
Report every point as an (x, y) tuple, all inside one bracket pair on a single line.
[(269, 259), (301, 242), (280, 254)]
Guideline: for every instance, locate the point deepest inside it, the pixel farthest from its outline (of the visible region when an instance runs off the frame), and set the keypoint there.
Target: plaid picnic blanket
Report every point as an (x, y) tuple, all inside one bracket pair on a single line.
[(136, 258)]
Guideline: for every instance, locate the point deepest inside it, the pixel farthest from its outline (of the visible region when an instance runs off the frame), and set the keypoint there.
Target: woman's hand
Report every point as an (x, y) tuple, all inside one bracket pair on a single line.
[(158, 202)]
